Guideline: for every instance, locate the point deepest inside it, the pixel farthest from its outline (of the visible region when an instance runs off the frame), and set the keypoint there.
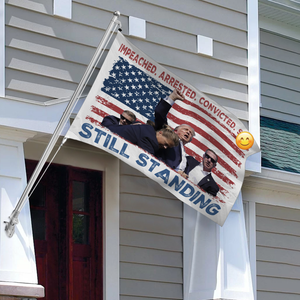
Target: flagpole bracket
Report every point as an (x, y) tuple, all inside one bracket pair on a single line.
[(10, 225), (120, 25)]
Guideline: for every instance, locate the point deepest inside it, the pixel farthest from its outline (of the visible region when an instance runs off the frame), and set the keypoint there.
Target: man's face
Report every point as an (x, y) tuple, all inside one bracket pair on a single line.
[(209, 161), (125, 119), (185, 133), (164, 142)]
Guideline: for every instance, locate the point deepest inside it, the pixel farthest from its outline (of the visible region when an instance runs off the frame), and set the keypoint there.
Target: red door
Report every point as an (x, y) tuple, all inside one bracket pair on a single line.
[(66, 210)]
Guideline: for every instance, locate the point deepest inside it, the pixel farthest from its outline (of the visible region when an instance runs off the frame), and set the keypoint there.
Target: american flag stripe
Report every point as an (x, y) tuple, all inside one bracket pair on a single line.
[(130, 80), (93, 121), (208, 122), (208, 137), (216, 171), (128, 87), (102, 114), (106, 104), (118, 110), (196, 107)]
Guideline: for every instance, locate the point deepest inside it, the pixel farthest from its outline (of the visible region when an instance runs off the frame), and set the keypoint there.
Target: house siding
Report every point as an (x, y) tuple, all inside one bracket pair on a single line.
[(280, 77), (150, 239), (278, 252), (47, 55)]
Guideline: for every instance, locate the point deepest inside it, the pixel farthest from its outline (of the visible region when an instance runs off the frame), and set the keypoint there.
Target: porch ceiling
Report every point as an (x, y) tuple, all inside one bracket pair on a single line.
[(285, 11)]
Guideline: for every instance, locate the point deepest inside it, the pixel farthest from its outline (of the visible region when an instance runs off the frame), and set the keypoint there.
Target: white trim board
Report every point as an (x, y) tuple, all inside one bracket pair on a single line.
[(279, 28), (254, 162), (82, 155), (273, 187)]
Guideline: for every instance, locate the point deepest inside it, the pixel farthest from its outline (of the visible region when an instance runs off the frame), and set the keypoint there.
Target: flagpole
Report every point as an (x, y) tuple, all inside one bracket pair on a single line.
[(13, 219)]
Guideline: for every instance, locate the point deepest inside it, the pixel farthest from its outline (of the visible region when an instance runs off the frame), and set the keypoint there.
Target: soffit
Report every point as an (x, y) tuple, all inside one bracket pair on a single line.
[(285, 11)]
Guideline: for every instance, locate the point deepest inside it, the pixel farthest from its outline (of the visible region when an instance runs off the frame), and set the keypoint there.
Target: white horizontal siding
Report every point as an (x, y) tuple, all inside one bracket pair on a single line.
[(171, 41), (151, 223), (46, 55), (175, 15), (280, 77), (151, 256), (278, 252), (277, 255), (139, 288), (151, 273), (150, 238), (276, 296)]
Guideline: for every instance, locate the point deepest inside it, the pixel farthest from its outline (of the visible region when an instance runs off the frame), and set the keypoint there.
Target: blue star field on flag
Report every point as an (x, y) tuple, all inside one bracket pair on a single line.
[(134, 88)]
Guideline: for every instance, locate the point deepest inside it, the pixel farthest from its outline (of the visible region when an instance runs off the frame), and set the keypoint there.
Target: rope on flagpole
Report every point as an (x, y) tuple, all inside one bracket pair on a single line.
[(13, 219)]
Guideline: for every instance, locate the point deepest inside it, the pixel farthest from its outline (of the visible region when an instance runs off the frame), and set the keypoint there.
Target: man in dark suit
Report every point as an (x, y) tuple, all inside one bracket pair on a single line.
[(175, 157), (200, 173), (146, 137), (126, 118)]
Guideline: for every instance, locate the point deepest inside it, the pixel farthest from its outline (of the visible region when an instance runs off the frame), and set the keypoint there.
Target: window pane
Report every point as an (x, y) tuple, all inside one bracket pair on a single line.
[(38, 224), (80, 229), (37, 198), (79, 192)]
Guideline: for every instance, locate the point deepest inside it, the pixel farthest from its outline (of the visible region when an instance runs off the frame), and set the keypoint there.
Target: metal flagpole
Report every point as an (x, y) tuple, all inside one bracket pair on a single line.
[(114, 23)]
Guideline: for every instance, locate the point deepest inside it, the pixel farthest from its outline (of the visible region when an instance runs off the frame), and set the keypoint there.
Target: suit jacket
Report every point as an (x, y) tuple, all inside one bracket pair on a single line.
[(207, 183), (143, 136), (160, 113), (170, 156), (109, 121)]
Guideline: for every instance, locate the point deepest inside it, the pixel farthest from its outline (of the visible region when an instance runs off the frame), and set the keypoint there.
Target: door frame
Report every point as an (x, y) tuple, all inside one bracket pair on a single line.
[(81, 155)]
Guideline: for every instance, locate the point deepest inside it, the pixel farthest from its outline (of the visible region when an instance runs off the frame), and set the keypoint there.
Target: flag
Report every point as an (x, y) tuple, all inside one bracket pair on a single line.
[(131, 80)]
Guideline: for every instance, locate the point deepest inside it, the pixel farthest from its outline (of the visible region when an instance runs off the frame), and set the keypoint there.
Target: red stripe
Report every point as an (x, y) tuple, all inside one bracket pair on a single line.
[(217, 173), (212, 127), (93, 121), (199, 145), (208, 137), (98, 111), (211, 116), (109, 104)]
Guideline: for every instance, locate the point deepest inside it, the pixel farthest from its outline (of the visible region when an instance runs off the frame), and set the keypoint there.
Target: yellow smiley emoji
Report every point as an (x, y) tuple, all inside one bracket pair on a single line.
[(244, 140)]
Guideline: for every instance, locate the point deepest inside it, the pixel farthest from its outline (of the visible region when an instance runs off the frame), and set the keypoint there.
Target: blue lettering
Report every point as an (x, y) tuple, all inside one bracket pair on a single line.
[(107, 140), (143, 162), (194, 196), (175, 181), (100, 133), (201, 200), (187, 186), (164, 175), (122, 152), (85, 127), (211, 210), (111, 146), (154, 165)]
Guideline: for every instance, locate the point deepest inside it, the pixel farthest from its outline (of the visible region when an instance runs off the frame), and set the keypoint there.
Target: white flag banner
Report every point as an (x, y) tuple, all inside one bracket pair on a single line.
[(131, 80)]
